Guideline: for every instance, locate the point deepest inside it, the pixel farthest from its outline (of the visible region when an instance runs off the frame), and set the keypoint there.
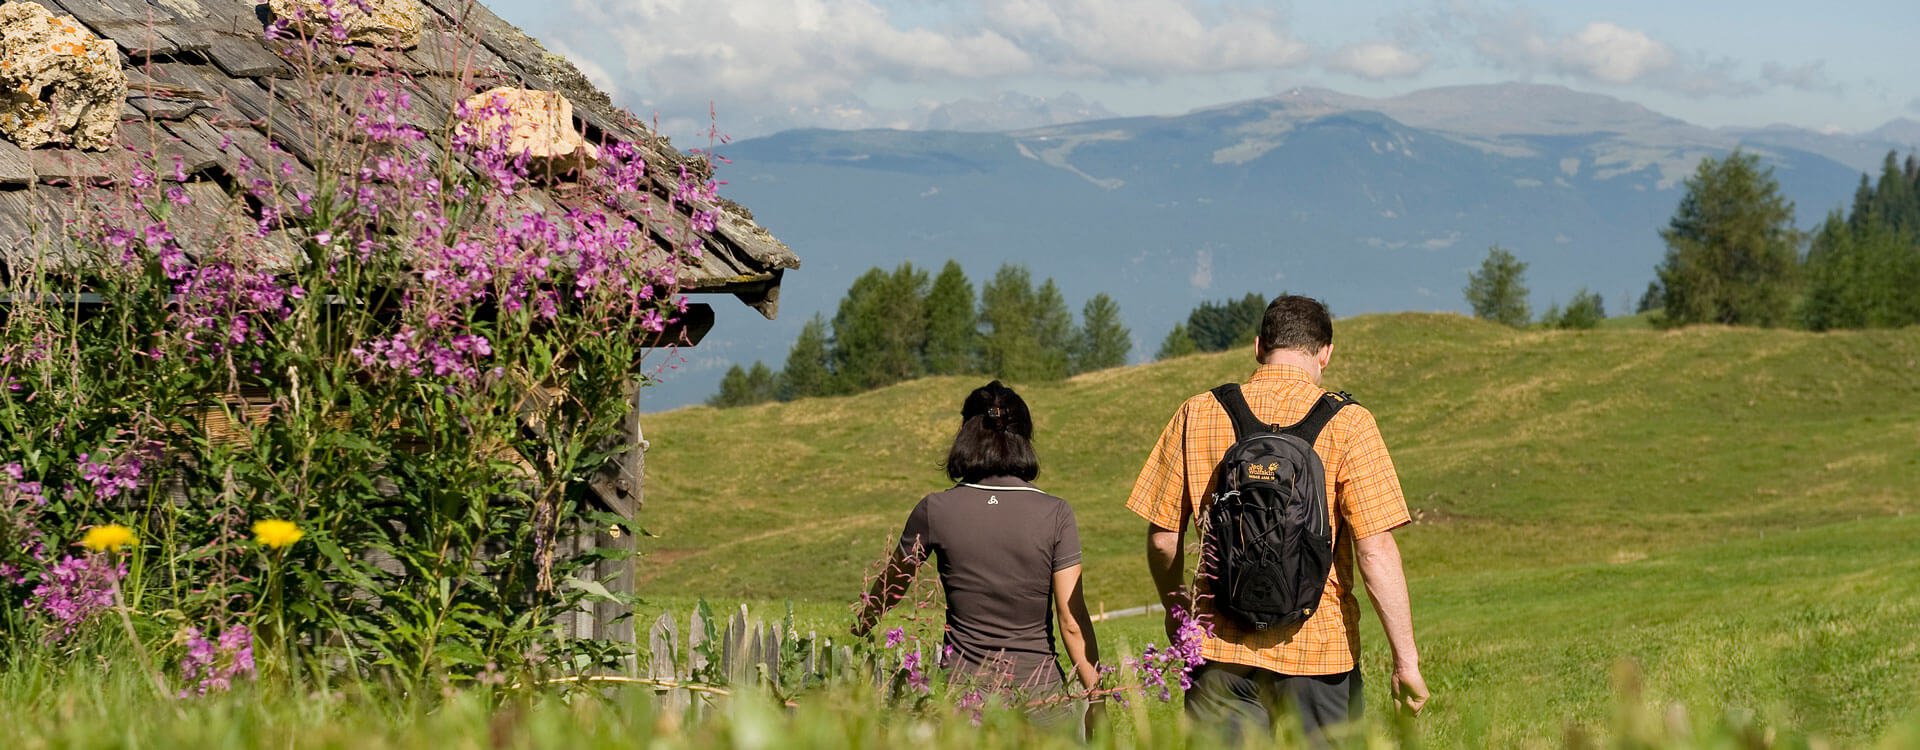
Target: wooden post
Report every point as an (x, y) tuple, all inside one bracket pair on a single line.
[(619, 574)]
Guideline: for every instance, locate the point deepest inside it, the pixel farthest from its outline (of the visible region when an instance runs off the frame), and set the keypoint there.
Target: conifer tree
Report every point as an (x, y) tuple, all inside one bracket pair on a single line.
[(1860, 279), (879, 333), (1009, 347), (1862, 204), (1219, 326), (1584, 311), (1053, 332), (1731, 247), (1651, 300), (1178, 343), (1893, 197), (1102, 341), (744, 387), (809, 370), (953, 333), (1498, 291)]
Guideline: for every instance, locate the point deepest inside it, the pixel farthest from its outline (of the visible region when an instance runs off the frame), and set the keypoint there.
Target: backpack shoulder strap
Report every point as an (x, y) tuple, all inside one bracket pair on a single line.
[(1244, 422), (1309, 427)]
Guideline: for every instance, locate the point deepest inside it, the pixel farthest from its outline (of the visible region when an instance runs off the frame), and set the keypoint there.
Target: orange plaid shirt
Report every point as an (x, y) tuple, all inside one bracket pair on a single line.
[(1363, 496)]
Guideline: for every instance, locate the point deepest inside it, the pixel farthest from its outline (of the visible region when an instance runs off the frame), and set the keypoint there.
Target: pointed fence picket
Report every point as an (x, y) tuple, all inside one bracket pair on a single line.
[(750, 652)]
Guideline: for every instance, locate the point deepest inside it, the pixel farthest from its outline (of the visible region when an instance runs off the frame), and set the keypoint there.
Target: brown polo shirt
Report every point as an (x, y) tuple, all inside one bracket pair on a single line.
[(997, 543)]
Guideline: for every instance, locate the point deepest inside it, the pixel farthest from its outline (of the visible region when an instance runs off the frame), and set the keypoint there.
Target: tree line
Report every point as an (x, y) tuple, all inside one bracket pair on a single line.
[(901, 324), (1215, 327), (1734, 258)]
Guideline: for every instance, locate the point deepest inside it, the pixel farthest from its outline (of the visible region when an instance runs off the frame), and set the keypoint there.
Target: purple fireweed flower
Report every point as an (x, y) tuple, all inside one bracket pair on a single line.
[(111, 475), (895, 637), (213, 665), (1156, 665), (916, 674), (73, 590)]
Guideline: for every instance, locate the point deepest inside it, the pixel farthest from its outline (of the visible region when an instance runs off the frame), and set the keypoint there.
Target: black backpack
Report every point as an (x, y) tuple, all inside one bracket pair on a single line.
[(1268, 545)]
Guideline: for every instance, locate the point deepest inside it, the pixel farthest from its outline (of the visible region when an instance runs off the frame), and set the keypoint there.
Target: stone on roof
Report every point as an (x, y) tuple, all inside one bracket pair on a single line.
[(205, 87)]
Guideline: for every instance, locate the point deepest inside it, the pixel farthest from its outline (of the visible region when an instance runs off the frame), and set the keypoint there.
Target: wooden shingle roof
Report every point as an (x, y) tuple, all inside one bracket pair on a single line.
[(202, 74)]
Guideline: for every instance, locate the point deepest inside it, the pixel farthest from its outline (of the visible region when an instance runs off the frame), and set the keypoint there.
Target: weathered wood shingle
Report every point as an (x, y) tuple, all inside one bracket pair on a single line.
[(206, 87)]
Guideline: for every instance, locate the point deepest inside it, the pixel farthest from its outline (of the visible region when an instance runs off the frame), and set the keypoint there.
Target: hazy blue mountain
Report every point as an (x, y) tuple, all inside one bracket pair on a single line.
[(1372, 204)]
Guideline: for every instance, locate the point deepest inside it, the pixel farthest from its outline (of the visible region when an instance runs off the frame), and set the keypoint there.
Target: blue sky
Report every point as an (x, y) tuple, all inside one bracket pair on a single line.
[(772, 64)]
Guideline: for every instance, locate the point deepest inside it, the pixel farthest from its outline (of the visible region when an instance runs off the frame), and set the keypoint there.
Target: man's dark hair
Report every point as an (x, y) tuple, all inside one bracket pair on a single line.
[(995, 438), (1296, 322)]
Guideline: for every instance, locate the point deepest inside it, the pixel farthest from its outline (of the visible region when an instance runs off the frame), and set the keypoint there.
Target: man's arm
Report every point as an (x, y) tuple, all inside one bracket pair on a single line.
[(1387, 588), (1166, 559)]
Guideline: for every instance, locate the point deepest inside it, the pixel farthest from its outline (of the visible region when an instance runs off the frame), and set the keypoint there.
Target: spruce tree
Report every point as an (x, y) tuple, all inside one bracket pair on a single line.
[(879, 332), (744, 387), (953, 332), (1893, 197), (809, 370), (1178, 343), (1731, 247), (733, 389), (1498, 291), (1862, 204), (1651, 300), (1007, 341), (1860, 279), (762, 383), (1053, 333), (1219, 326), (1584, 311), (1102, 341)]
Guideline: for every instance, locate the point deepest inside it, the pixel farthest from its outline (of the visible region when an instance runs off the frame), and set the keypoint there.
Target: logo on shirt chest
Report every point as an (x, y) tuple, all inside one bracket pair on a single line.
[(993, 499)]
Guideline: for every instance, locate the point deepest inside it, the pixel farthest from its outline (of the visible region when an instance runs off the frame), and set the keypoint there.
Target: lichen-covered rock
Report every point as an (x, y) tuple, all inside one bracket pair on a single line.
[(379, 23), (59, 84), (538, 124)]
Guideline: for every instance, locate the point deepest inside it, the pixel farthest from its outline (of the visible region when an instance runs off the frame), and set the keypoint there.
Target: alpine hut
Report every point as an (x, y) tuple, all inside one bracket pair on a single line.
[(83, 82)]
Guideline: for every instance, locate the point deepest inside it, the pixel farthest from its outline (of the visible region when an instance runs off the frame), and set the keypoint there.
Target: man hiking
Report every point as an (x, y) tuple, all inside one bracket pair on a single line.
[(1264, 661)]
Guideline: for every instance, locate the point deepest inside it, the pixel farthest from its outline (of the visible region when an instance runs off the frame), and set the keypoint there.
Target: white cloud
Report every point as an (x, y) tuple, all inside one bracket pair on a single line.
[(1603, 52), (793, 51), (1809, 76), (1144, 38), (1376, 60), (803, 59), (1201, 278), (1611, 53)]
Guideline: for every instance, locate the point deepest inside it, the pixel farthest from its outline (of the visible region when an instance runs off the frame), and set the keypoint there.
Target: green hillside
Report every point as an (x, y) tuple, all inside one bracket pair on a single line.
[(1731, 509)]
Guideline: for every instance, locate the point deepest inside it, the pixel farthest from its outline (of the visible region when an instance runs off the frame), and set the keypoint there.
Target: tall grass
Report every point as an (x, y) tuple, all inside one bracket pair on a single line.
[(1730, 509)]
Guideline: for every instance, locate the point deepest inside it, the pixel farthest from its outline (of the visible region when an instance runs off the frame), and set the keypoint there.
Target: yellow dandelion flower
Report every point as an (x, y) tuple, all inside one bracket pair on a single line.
[(110, 536), (276, 533)]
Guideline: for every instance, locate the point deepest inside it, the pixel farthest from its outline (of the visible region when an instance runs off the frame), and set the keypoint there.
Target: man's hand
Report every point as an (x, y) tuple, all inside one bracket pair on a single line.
[(1387, 587), (1409, 689)]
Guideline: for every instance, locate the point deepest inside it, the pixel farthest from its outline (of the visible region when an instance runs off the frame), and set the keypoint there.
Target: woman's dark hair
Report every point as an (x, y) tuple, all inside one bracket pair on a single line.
[(995, 438)]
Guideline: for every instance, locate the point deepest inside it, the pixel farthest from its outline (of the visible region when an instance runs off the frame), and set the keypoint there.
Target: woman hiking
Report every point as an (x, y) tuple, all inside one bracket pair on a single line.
[(1009, 561)]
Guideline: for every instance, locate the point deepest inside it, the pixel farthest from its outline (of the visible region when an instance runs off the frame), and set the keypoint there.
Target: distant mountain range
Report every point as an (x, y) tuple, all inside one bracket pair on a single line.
[(1372, 204)]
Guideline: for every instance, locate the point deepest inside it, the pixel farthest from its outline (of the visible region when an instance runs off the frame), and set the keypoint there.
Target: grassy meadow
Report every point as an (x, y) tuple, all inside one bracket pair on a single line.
[(1731, 512)]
